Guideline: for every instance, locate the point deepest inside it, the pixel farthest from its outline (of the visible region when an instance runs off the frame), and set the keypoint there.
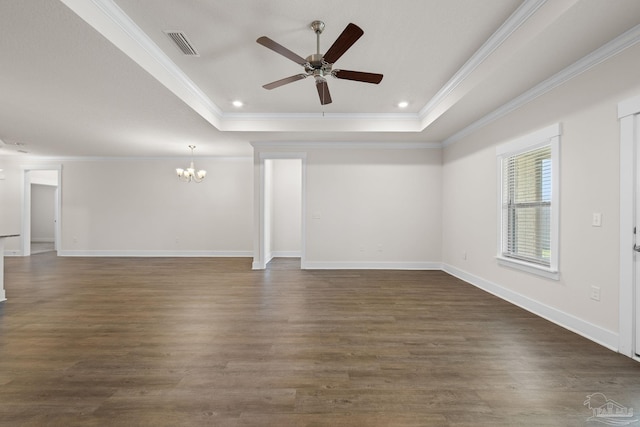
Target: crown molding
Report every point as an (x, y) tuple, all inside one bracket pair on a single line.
[(524, 25), (521, 15), (598, 56), (42, 161), (39, 161), (113, 23), (371, 145), (325, 116), (116, 26)]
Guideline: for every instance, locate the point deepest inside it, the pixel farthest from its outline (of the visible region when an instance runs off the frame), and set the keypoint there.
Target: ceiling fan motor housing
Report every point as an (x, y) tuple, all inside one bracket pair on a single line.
[(317, 66)]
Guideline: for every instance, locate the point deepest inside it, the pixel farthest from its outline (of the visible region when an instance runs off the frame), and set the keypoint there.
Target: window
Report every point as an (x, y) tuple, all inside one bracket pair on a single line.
[(528, 197)]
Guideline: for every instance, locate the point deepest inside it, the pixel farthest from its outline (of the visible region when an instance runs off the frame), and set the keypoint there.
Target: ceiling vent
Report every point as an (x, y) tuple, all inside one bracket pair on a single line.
[(183, 43)]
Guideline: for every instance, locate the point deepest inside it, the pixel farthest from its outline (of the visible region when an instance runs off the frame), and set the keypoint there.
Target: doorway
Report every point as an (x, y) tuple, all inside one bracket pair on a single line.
[(629, 303), (41, 209), (43, 216), (279, 209)]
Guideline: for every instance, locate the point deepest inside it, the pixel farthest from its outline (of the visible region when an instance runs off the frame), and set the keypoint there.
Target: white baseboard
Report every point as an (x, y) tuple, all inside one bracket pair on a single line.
[(42, 240), (157, 254), (604, 337), (370, 265), (285, 254)]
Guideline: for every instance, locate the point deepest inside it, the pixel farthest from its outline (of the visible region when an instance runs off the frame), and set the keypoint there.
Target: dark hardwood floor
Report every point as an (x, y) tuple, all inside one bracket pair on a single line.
[(208, 342)]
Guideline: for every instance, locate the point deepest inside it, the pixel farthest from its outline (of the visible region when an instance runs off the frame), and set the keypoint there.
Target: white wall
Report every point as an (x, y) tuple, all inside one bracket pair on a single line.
[(138, 207), (589, 182), (142, 206), (43, 200), (286, 189), (377, 206), (374, 208)]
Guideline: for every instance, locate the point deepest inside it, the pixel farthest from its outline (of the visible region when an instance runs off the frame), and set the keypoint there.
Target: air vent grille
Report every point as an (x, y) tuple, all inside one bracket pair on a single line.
[(183, 43)]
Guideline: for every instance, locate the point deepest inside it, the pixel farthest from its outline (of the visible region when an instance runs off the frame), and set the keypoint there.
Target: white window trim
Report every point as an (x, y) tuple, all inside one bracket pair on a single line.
[(547, 136)]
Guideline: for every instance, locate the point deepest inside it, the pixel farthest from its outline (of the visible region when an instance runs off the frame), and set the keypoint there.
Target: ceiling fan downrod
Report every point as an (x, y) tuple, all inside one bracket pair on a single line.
[(318, 28), (318, 68)]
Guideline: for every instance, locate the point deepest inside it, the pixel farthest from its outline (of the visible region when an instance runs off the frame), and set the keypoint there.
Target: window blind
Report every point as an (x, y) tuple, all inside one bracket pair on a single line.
[(526, 206)]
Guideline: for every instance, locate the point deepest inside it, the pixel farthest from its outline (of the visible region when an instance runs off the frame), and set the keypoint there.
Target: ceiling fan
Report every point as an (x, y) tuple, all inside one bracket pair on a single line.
[(318, 65)]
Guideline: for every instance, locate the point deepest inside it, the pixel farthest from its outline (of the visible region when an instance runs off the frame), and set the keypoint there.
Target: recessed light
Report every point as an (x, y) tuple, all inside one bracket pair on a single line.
[(238, 104), (403, 104)]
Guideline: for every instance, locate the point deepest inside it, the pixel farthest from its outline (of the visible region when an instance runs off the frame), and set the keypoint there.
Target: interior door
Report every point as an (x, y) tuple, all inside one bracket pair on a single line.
[(636, 281)]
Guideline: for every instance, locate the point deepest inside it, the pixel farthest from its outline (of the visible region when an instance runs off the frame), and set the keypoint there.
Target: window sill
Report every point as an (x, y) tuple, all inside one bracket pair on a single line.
[(538, 270)]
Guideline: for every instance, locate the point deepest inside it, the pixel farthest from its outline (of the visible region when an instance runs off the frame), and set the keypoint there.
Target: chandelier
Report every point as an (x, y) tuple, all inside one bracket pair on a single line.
[(189, 174)]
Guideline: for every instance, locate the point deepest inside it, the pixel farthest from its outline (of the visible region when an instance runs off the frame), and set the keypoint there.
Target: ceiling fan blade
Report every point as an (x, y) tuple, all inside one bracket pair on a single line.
[(284, 81), (349, 36), (323, 91), (358, 76), (278, 48)]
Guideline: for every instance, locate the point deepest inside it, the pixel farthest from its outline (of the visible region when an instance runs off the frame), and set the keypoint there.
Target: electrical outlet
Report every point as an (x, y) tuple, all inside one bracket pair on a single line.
[(595, 293), (596, 221)]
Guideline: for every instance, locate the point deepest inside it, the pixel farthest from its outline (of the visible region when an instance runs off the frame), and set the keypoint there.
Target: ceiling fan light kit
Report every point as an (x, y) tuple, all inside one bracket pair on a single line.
[(318, 65)]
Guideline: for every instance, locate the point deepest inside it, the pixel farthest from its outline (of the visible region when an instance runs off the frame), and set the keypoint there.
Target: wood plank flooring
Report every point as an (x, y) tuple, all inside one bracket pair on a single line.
[(208, 342)]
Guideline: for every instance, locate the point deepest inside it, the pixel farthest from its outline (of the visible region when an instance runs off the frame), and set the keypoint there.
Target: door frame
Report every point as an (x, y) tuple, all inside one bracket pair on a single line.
[(25, 234), (260, 229), (629, 138)]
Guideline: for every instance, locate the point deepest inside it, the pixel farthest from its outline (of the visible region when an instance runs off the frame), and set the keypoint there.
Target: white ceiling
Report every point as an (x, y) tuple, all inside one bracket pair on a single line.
[(101, 78)]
